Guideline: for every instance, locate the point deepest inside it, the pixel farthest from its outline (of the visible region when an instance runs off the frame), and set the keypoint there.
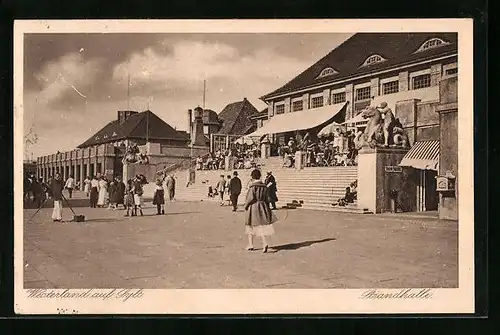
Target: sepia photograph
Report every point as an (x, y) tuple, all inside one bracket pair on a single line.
[(289, 168)]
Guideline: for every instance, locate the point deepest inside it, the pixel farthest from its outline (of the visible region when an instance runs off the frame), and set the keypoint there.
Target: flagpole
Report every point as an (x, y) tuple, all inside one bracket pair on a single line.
[(204, 90), (147, 125), (128, 92)]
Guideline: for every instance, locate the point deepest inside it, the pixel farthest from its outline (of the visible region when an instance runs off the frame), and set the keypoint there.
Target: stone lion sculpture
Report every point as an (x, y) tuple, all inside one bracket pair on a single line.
[(134, 155), (382, 129)]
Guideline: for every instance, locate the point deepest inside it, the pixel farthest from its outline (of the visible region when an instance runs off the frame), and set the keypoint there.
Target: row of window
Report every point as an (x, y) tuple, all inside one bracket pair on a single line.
[(417, 82), (364, 93), (376, 58)]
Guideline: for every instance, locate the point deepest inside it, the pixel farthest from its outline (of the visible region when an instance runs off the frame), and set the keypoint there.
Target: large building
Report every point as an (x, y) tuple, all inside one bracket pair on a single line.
[(103, 152), (406, 70), (220, 130)]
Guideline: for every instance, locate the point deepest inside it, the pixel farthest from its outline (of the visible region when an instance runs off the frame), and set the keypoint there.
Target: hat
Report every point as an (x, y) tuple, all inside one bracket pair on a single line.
[(235, 173), (383, 104)]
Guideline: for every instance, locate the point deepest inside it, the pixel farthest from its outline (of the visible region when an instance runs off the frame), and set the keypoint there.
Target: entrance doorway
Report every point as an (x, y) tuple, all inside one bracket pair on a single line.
[(427, 197)]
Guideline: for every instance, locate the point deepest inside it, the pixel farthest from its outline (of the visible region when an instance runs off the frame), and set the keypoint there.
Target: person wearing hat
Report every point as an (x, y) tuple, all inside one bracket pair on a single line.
[(138, 192), (270, 182), (159, 198), (234, 190), (259, 217), (56, 189)]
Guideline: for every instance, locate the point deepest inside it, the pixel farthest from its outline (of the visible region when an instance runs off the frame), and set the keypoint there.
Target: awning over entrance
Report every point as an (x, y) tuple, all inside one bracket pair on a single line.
[(424, 155), (305, 119)]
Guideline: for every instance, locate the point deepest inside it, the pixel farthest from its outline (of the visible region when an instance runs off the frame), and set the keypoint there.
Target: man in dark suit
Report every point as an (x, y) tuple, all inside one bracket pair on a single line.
[(235, 190)]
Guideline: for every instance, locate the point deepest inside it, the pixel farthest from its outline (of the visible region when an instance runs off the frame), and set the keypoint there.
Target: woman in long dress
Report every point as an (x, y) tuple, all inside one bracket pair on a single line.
[(259, 217), (86, 187), (103, 191)]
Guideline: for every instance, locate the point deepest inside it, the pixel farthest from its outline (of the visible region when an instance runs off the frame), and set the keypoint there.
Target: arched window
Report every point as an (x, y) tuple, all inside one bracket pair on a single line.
[(432, 43), (373, 59), (327, 72)]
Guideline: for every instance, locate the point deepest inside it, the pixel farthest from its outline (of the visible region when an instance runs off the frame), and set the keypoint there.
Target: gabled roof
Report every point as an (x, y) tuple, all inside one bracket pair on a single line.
[(263, 114), (348, 58), (136, 127), (235, 118)]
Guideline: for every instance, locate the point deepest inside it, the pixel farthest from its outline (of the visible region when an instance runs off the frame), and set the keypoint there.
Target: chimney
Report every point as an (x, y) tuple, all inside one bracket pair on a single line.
[(124, 115), (197, 135)]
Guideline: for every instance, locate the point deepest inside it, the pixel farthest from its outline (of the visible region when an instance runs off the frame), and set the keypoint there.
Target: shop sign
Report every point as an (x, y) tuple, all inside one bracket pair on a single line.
[(393, 169)]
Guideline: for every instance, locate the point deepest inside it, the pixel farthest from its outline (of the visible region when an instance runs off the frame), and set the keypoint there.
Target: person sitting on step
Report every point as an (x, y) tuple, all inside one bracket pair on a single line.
[(347, 199)]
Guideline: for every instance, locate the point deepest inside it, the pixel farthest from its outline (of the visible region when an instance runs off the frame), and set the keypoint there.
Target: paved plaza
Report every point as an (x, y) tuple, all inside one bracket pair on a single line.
[(202, 245)]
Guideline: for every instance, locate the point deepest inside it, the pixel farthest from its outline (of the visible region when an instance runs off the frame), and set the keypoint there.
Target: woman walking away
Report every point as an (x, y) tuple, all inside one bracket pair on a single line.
[(86, 187), (221, 188), (129, 198), (259, 217), (94, 192), (56, 189), (159, 198)]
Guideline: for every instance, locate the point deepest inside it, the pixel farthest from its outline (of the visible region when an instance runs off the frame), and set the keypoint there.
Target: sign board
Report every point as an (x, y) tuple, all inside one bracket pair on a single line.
[(444, 184), (393, 169)]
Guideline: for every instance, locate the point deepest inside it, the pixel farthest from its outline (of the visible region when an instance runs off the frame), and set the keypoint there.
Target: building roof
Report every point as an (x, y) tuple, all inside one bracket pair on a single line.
[(235, 118), (136, 126), (263, 114), (347, 59)]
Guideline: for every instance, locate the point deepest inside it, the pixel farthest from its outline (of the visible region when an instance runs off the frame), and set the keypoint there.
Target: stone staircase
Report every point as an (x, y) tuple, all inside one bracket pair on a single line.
[(311, 188)]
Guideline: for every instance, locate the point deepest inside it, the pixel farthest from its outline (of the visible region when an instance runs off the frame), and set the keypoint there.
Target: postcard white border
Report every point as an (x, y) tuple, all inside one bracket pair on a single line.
[(244, 301)]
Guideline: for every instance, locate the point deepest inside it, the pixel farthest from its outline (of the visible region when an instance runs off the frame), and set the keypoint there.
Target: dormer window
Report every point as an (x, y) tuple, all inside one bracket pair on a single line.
[(373, 59), (327, 72), (431, 44)]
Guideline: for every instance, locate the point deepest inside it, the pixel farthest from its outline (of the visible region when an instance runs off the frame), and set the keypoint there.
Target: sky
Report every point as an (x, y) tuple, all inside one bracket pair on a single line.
[(74, 84)]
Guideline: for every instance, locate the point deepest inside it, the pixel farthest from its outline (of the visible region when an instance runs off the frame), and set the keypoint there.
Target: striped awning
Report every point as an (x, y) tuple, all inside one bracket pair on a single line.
[(424, 155)]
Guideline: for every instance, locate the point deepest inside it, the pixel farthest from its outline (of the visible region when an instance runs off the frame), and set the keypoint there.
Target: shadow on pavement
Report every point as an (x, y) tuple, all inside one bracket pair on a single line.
[(50, 203), (180, 213), (295, 246), (102, 220)]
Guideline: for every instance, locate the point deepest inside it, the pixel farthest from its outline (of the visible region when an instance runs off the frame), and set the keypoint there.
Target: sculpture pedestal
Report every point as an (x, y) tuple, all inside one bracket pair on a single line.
[(299, 160), (378, 173), (265, 150), (131, 170)]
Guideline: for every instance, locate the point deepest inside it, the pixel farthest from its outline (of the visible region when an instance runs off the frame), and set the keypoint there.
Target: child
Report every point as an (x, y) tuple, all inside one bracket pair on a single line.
[(129, 198), (159, 198), (210, 192)]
